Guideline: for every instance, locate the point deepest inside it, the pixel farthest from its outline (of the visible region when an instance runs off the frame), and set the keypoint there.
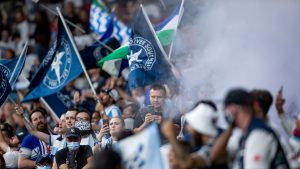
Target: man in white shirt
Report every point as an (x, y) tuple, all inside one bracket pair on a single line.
[(259, 146)]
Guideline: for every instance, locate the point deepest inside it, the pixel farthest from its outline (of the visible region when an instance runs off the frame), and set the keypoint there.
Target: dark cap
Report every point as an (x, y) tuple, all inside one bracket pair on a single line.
[(238, 96), (73, 132), (41, 159)]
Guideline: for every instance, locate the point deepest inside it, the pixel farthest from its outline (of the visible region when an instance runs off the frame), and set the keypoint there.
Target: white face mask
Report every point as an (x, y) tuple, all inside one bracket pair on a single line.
[(73, 145), (129, 122)]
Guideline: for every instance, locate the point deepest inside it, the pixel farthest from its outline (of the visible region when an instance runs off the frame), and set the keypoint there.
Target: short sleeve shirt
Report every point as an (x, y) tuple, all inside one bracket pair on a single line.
[(31, 147)]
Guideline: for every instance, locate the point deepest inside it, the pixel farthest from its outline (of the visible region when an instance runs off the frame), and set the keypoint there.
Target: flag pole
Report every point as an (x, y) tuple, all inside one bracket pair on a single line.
[(77, 27), (18, 62), (52, 113), (174, 70), (76, 51), (181, 10)]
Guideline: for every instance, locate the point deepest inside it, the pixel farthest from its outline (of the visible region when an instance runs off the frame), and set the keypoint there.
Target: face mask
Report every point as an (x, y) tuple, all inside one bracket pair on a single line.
[(73, 145), (43, 167)]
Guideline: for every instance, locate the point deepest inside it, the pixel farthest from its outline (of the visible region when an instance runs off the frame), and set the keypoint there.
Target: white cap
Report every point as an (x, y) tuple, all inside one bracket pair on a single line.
[(114, 94), (203, 119)]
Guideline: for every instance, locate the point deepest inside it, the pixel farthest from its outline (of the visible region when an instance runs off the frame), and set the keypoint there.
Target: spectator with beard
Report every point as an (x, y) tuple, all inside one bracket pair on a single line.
[(108, 99), (31, 146)]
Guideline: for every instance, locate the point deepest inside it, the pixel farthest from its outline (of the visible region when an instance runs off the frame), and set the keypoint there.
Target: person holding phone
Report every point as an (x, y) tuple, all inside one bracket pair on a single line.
[(153, 112), (110, 132)]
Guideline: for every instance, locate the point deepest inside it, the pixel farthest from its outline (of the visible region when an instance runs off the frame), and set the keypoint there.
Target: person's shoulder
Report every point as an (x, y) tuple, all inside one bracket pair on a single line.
[(61, 151), (29, 138), (85, 148), (262, 137)]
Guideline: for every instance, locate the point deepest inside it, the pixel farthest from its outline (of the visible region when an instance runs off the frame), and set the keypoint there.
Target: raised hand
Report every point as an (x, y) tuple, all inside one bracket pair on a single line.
[(279, 102)]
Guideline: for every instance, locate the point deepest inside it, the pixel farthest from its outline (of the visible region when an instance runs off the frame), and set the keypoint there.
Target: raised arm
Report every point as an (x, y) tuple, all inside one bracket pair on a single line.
[(31, 129)]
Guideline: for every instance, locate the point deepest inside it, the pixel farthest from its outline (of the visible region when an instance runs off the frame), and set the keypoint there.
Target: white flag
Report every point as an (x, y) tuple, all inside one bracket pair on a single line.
[(142, 151)]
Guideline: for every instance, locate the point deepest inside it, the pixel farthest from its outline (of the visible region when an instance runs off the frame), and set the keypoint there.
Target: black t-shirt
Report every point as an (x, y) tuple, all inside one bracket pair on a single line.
[(82, 155)]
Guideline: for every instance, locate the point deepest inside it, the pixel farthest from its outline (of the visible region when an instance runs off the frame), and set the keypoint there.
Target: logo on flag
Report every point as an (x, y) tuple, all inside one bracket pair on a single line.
[(144, 151), (3, 85), (142, 54), (60, 67), (137, 162), (5, 70)]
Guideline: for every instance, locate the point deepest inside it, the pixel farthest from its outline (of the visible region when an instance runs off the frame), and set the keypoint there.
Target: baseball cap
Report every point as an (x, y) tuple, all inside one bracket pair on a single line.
[(238, 96), (112, 92), (203, 119), (73, 132), (43, 159)]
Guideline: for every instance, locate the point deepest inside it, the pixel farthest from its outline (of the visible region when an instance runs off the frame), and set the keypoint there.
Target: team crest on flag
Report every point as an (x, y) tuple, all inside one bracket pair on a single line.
[(60, 67), (3, 85), (141, 55), (5, 70)]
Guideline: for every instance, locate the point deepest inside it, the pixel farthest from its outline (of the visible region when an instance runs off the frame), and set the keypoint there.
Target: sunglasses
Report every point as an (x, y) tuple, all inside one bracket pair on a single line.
[(105, 90)]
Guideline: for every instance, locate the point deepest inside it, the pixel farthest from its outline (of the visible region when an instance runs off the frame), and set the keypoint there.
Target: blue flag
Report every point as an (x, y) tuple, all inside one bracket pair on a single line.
[(7, 66), (12, 68), (59, 67), (144, 149), (147, 60), (59, 102), (95, 52), (4, 87)]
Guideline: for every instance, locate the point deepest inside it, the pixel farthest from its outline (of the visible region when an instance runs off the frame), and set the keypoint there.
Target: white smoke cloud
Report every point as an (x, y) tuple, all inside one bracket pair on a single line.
[(250, 44)]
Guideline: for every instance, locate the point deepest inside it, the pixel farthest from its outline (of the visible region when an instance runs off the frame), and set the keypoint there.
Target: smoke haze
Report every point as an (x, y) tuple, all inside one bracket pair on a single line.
[(250, 44)]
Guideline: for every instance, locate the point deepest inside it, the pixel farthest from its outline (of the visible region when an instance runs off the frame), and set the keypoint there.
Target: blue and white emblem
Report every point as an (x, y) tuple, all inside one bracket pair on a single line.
[(5, 70), (3, 85), (141, 54), (60, 67)]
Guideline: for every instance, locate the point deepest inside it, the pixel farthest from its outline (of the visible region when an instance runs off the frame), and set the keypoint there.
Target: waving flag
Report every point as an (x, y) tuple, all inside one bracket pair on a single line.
[(100, 19), (146, 57), (144, 149), (165, 31), (12, 68), (95, 52), (106, 24), (4, 87), (59, 67), (59, 102)]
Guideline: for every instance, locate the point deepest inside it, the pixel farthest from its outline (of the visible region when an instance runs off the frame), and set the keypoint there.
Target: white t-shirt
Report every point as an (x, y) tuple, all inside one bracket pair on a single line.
[(11, 158), (260, 149)]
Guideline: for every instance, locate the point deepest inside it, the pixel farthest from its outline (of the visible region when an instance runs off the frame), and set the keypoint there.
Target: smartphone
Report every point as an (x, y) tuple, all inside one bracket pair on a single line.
[(153, 112), (106, 122)]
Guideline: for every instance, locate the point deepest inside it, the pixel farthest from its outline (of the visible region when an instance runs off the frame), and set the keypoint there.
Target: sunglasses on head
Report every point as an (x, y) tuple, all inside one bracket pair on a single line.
[(105, 90)]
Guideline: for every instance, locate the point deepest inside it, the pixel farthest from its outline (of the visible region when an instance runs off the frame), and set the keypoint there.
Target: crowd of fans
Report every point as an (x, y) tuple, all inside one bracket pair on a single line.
[(85, 134)]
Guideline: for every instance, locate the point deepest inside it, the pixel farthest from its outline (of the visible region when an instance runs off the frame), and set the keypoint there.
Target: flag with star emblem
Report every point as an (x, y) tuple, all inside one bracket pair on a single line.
[(144, 149), (59, 67), (146, 57)]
